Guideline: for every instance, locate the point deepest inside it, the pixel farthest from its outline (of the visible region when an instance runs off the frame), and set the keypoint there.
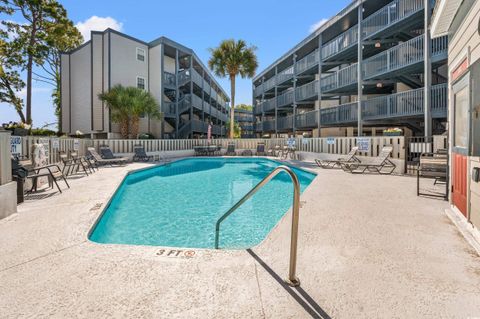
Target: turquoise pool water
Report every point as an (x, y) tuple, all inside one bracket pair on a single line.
[(178, 204)]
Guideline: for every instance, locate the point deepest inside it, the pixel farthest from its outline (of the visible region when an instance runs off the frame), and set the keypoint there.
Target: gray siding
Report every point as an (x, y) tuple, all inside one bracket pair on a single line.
[(80, 68), (97, 83), (65, 92)]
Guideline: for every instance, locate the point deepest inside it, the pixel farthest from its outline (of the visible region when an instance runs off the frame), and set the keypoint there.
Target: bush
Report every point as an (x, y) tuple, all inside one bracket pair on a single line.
[(146, 136), (42, 132)]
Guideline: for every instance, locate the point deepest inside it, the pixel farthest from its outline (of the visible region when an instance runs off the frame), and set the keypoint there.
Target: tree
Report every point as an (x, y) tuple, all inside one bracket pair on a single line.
[(10, 81), (143, 103), (62, 36), (245, 107), (232, 58), (127, 104), (31, 36), (237, 130)]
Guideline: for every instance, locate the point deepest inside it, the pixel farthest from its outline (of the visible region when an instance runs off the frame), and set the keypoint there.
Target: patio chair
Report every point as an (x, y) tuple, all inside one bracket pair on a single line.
[(380, 164), (140, 154), (70, 165), (350, 157), (81, 161), (261, 149), (231, 150), (107, 153), (51, 171), (103, 161)]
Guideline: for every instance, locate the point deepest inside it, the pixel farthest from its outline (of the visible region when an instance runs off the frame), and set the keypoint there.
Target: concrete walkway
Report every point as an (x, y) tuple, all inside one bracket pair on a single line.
[(368, 248)]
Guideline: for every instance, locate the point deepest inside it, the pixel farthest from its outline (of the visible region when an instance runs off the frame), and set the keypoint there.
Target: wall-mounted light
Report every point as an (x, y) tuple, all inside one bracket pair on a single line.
[(378, 44), (379, 85)]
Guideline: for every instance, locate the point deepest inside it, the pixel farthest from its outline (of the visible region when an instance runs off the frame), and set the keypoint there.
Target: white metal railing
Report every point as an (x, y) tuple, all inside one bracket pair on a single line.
[(343, 41), (307, 91), (307, 62), (392, 13)]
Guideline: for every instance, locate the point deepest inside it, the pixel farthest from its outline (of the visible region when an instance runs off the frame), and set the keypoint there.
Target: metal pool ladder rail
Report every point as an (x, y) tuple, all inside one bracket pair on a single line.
[(292, 279)]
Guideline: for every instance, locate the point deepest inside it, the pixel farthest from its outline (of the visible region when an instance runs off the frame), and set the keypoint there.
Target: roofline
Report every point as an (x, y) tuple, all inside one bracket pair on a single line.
[(151, 44), (437, 13), (354, 4)]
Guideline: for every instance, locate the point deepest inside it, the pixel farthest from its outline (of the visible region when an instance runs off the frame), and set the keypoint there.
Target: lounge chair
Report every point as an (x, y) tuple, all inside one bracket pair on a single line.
[(261, 149), (350, 157), (83, 161), (71, 165), (380, 164), (140, 154), (52, 172), (105, 161), (231, 149), (107, 153)]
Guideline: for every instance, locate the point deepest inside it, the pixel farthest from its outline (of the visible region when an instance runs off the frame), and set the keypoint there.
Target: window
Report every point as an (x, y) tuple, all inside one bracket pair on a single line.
[(141, 83), (140, 54), (461, 107)]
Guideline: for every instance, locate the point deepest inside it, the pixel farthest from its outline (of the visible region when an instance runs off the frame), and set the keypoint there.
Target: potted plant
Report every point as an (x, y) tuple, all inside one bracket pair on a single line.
[(393, 132), (18, 129)]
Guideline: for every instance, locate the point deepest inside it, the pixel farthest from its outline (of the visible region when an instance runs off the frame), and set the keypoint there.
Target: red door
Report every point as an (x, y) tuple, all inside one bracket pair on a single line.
[(459, 182)]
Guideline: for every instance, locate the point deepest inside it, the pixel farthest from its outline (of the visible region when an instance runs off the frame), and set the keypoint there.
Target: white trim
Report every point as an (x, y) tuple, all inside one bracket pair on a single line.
[(137, 49), (445, 12), (144, 81)]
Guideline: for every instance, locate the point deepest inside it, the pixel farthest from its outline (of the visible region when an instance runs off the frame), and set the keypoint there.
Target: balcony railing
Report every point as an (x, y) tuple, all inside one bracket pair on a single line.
[(268, 105), (285, 75), (342, 78), (340, 43), (392, 13), (402, 55), (258, 90), (269, 125), (307, 119), (307, 62), (270, 83), (286, 98), (169, 79), (402, 104), (307, 91), (344, 113)]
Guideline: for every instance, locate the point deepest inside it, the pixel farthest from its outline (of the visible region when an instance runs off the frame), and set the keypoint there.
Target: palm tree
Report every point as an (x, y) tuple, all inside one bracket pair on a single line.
[(143, 103), (127, 105), (237, 130), (117, 102), (233, 58)]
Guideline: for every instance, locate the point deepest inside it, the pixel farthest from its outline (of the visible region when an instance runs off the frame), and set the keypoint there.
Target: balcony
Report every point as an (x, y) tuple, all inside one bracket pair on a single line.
[(394, 12), (286, 98), (408, 104), (307, 62), (307, 91), (258, 91), (344, 41), (285, 75), (268, 126), (169, 79), (270, 83), (306, 120), (404, 55), (343, 78)]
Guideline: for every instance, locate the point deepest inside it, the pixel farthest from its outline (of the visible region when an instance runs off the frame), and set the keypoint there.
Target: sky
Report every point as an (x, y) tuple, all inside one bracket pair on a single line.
[(273, 26)]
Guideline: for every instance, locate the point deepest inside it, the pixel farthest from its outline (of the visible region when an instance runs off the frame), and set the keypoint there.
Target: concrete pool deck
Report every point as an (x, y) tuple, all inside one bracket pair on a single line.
[(368, 248)]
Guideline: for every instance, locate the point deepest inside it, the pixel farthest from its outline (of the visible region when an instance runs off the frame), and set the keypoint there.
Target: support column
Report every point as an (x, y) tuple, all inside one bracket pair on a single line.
[(319, 88), (177, 115), (276, 102), (191, 96), (359, 71), (427, 70), (294, 93), (203, 95), (263, 100), (162, 87)]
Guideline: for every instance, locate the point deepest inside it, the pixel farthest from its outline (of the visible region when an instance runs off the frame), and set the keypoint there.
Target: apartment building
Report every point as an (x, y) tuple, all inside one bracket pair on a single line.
[(370, 67), (245, 120), (188, 95), (460, 21)]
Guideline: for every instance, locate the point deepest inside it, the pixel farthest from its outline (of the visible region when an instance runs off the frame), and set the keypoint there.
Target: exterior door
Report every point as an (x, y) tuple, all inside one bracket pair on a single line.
[(461, 107)]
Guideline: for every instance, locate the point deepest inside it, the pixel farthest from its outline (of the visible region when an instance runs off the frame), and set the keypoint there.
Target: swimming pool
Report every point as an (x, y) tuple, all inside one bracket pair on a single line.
[(177, 205)]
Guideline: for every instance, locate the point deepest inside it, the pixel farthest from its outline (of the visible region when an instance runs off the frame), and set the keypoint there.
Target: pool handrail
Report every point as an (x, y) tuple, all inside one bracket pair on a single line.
[(292, 279)]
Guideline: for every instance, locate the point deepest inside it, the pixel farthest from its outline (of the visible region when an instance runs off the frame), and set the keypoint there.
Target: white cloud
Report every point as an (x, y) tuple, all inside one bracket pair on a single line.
[(23, 92), (95, 23), (317, 25)]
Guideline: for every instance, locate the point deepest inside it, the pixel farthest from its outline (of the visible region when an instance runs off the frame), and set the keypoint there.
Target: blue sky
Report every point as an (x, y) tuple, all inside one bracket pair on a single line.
[(273, 26)]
